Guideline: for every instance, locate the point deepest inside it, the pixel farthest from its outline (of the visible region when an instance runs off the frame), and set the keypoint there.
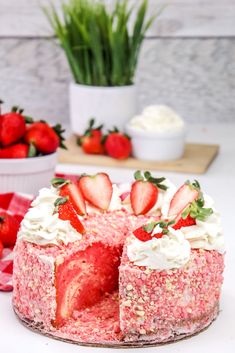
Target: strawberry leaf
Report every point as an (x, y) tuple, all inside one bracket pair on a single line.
[(28, 119), (149, 227), (59, 182), (138, 175), (59, 131), (32, 152), (164, 225), (60, 201)]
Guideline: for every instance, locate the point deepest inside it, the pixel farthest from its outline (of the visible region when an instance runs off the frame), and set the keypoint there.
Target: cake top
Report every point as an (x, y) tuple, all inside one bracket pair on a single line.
[(174, 220)]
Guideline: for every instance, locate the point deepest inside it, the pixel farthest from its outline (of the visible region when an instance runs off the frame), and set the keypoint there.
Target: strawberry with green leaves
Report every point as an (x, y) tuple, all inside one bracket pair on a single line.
[(144, 192), (91, 140), (117, 144), (12, 126), (72, 191), (187, 205), (67, 213), (9, 226), (44, 138), (147, 231)]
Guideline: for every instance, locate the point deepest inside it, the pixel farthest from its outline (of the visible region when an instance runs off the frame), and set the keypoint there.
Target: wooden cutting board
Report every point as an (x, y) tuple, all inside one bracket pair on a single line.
[(196, 159)]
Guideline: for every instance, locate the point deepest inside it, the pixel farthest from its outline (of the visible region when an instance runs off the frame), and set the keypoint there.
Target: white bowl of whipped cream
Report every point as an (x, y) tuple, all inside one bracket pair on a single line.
[(158, 134)]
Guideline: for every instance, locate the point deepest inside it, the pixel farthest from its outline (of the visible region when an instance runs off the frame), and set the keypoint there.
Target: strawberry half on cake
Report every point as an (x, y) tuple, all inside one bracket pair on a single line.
[(127, 264)]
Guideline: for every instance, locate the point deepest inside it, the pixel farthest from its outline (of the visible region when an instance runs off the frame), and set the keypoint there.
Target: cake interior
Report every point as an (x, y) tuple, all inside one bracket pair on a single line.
[(84, 278)]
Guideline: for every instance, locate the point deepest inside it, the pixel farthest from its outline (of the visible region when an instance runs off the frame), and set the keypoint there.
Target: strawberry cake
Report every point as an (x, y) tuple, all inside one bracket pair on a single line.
[(119, 265)]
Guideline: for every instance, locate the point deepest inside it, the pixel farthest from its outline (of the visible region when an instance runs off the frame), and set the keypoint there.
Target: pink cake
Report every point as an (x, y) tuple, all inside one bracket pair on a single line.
[(110, 285)]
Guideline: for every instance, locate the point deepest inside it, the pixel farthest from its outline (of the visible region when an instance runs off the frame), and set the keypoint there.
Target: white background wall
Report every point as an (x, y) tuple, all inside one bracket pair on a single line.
[(187, 61)]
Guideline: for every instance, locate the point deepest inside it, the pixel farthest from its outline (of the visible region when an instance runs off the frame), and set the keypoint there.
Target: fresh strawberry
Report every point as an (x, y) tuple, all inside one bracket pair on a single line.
[(72, 191), (19, 150), (9, 227), (194, 210), (188, 221), (1, 249), (68, 213), (141, 234), (45, 138), (117, 144), (96, 189), (185, 195), (144, 192), (146, 232), (12, 127), (91, 140)]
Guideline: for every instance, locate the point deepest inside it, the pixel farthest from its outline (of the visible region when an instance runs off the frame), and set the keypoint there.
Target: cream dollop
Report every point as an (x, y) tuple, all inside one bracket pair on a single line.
[(206, 235), (169, 252), (42, 226), (157, 118)]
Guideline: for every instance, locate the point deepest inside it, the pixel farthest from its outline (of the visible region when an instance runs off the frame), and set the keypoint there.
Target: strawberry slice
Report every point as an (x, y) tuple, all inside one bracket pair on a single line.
[(187, 222), (144, 192), (68, 213), (186, 194), (75, 197), (143, 196), (96, 189), (71, 190)]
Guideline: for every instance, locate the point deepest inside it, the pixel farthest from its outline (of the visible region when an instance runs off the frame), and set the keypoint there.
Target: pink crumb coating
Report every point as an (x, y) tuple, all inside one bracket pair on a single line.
[(33, 282), (34, 294), (160, 305)]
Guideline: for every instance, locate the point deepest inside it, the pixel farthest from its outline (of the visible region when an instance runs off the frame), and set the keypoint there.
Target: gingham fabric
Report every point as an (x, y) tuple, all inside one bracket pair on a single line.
[(16, 204)]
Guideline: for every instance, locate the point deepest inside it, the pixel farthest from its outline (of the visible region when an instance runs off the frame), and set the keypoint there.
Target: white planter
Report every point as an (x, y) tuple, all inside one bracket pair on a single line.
[(27, 175), (108, 105)]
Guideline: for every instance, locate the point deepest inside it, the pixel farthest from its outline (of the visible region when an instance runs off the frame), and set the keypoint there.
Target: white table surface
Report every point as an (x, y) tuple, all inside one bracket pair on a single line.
[(219, 182)]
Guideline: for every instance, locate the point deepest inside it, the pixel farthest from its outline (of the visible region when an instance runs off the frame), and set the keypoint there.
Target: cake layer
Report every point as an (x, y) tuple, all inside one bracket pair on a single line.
[(82, 279), (169, 302)]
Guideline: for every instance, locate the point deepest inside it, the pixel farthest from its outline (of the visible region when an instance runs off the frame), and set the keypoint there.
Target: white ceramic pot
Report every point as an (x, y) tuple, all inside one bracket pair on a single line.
[(156, 146), (111, 106), (27, 175)]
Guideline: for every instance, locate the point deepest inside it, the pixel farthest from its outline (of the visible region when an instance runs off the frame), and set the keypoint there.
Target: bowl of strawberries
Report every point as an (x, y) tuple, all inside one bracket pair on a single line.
[(28, 152)]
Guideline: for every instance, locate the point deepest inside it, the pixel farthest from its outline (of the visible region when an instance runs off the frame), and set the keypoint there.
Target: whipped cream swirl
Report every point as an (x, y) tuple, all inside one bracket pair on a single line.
[(42, 226), (157, 118), (169, 252), (206, 235)]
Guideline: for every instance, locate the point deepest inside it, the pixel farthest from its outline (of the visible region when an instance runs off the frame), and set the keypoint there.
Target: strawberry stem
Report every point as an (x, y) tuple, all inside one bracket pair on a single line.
[(148, 177), (164, 225), (59, 182)]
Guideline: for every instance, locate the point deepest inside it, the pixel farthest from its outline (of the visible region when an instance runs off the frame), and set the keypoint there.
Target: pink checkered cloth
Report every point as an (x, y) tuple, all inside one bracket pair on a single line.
[(16, 204)]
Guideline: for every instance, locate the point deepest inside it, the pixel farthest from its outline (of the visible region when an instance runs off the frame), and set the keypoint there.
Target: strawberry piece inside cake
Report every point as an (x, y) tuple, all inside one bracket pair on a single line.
[(116, 271)]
